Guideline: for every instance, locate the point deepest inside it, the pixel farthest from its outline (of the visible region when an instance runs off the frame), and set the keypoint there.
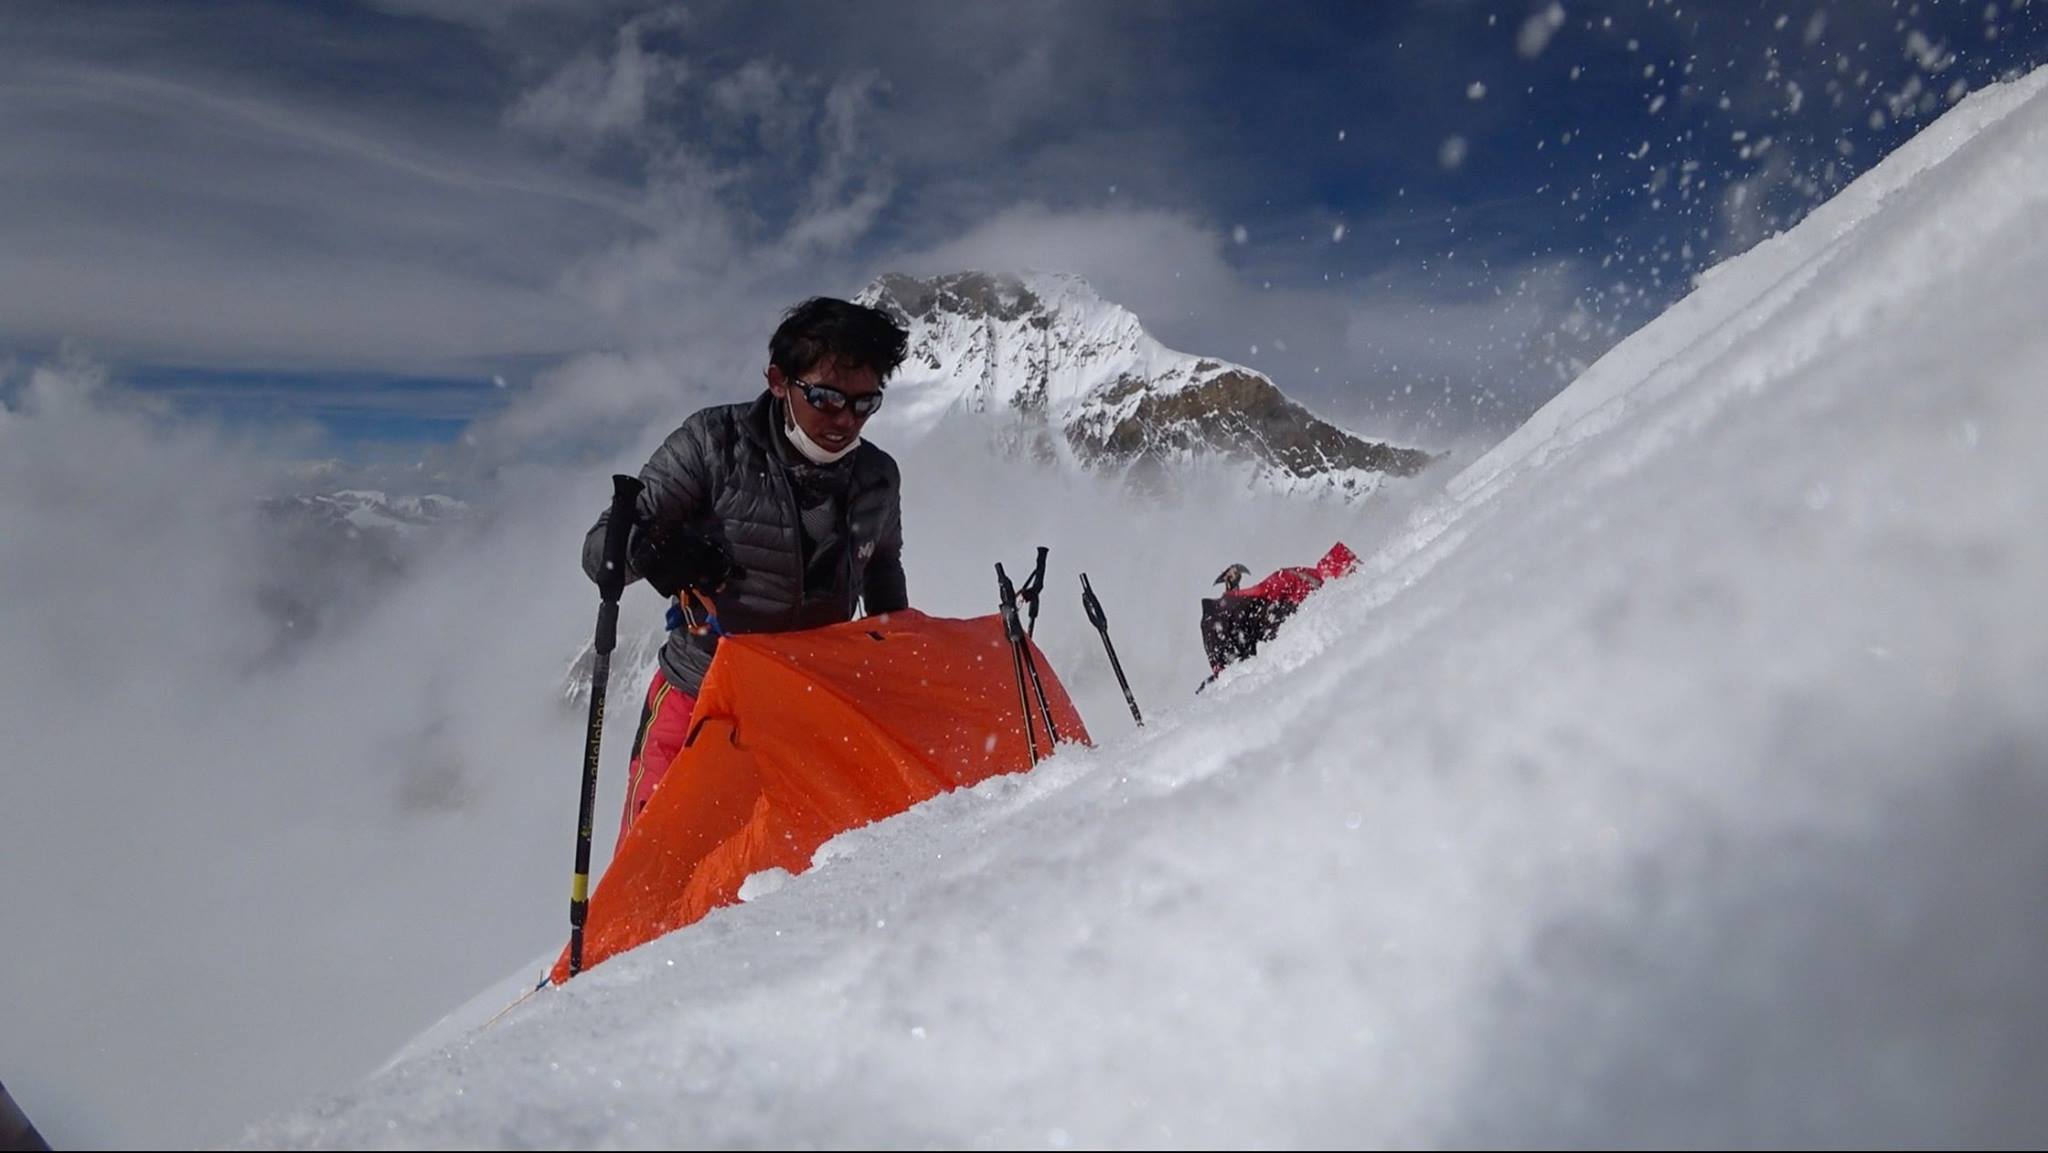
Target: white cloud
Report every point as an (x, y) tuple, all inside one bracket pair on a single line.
[(222, 844), (590, 97)]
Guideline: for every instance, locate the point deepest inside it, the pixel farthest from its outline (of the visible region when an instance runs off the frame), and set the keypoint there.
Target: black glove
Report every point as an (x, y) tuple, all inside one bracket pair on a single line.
[(673, 558)]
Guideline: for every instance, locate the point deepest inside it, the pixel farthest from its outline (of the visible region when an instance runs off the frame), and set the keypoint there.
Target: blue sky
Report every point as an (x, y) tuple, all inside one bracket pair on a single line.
[(1418, 217)]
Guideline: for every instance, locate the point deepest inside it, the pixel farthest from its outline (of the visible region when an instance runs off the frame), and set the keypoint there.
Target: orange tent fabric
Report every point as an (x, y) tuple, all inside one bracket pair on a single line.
[(798, 737)]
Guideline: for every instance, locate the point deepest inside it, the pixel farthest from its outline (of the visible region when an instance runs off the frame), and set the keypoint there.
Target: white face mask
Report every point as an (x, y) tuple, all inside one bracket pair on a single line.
[(812, 451)]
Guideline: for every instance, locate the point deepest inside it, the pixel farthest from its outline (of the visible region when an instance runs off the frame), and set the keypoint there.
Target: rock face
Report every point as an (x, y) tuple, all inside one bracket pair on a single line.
[(1068, 375)]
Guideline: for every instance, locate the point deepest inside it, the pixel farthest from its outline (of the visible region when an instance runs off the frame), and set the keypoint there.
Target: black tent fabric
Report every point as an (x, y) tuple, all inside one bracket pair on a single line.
[(16, 1134), (1232, 627)]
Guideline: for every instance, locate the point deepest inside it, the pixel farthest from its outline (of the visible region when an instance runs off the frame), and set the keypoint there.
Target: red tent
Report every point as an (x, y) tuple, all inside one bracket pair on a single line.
[(798, 737)]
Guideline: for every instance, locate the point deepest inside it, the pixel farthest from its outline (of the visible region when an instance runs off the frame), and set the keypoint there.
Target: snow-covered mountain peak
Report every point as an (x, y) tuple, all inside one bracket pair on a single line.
[(372, 509), (1077, 378), (1036, 343)]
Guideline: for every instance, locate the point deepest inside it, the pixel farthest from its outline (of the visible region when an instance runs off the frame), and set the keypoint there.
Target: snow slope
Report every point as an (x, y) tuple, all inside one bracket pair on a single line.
[(1677, 778)]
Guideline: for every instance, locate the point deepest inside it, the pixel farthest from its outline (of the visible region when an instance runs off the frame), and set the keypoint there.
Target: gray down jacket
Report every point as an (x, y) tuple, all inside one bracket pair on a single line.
[(729, 471)]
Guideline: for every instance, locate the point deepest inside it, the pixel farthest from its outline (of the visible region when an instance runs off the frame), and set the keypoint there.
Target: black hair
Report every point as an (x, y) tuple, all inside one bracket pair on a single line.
[(827, 329)]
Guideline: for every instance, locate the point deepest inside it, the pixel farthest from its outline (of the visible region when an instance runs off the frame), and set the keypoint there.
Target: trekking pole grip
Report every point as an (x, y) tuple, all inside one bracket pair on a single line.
[(611, 580), (1092, 606)]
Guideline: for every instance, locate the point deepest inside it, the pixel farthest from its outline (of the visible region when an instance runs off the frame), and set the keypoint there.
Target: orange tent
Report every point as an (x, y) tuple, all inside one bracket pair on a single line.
[(798, 737)]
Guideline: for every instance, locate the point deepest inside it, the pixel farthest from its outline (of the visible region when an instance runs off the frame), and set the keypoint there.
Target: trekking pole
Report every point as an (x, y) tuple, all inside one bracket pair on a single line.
[(1052, 731), (1006, 596), (1023, 647), (1100, 620), (611, 581), (1029, 590)]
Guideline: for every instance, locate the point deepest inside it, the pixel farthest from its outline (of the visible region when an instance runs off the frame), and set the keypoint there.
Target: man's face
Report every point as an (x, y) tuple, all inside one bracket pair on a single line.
[(831, 429)]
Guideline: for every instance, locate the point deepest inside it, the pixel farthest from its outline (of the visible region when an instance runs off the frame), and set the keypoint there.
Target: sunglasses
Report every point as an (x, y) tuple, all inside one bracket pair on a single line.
[(827, 399)]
